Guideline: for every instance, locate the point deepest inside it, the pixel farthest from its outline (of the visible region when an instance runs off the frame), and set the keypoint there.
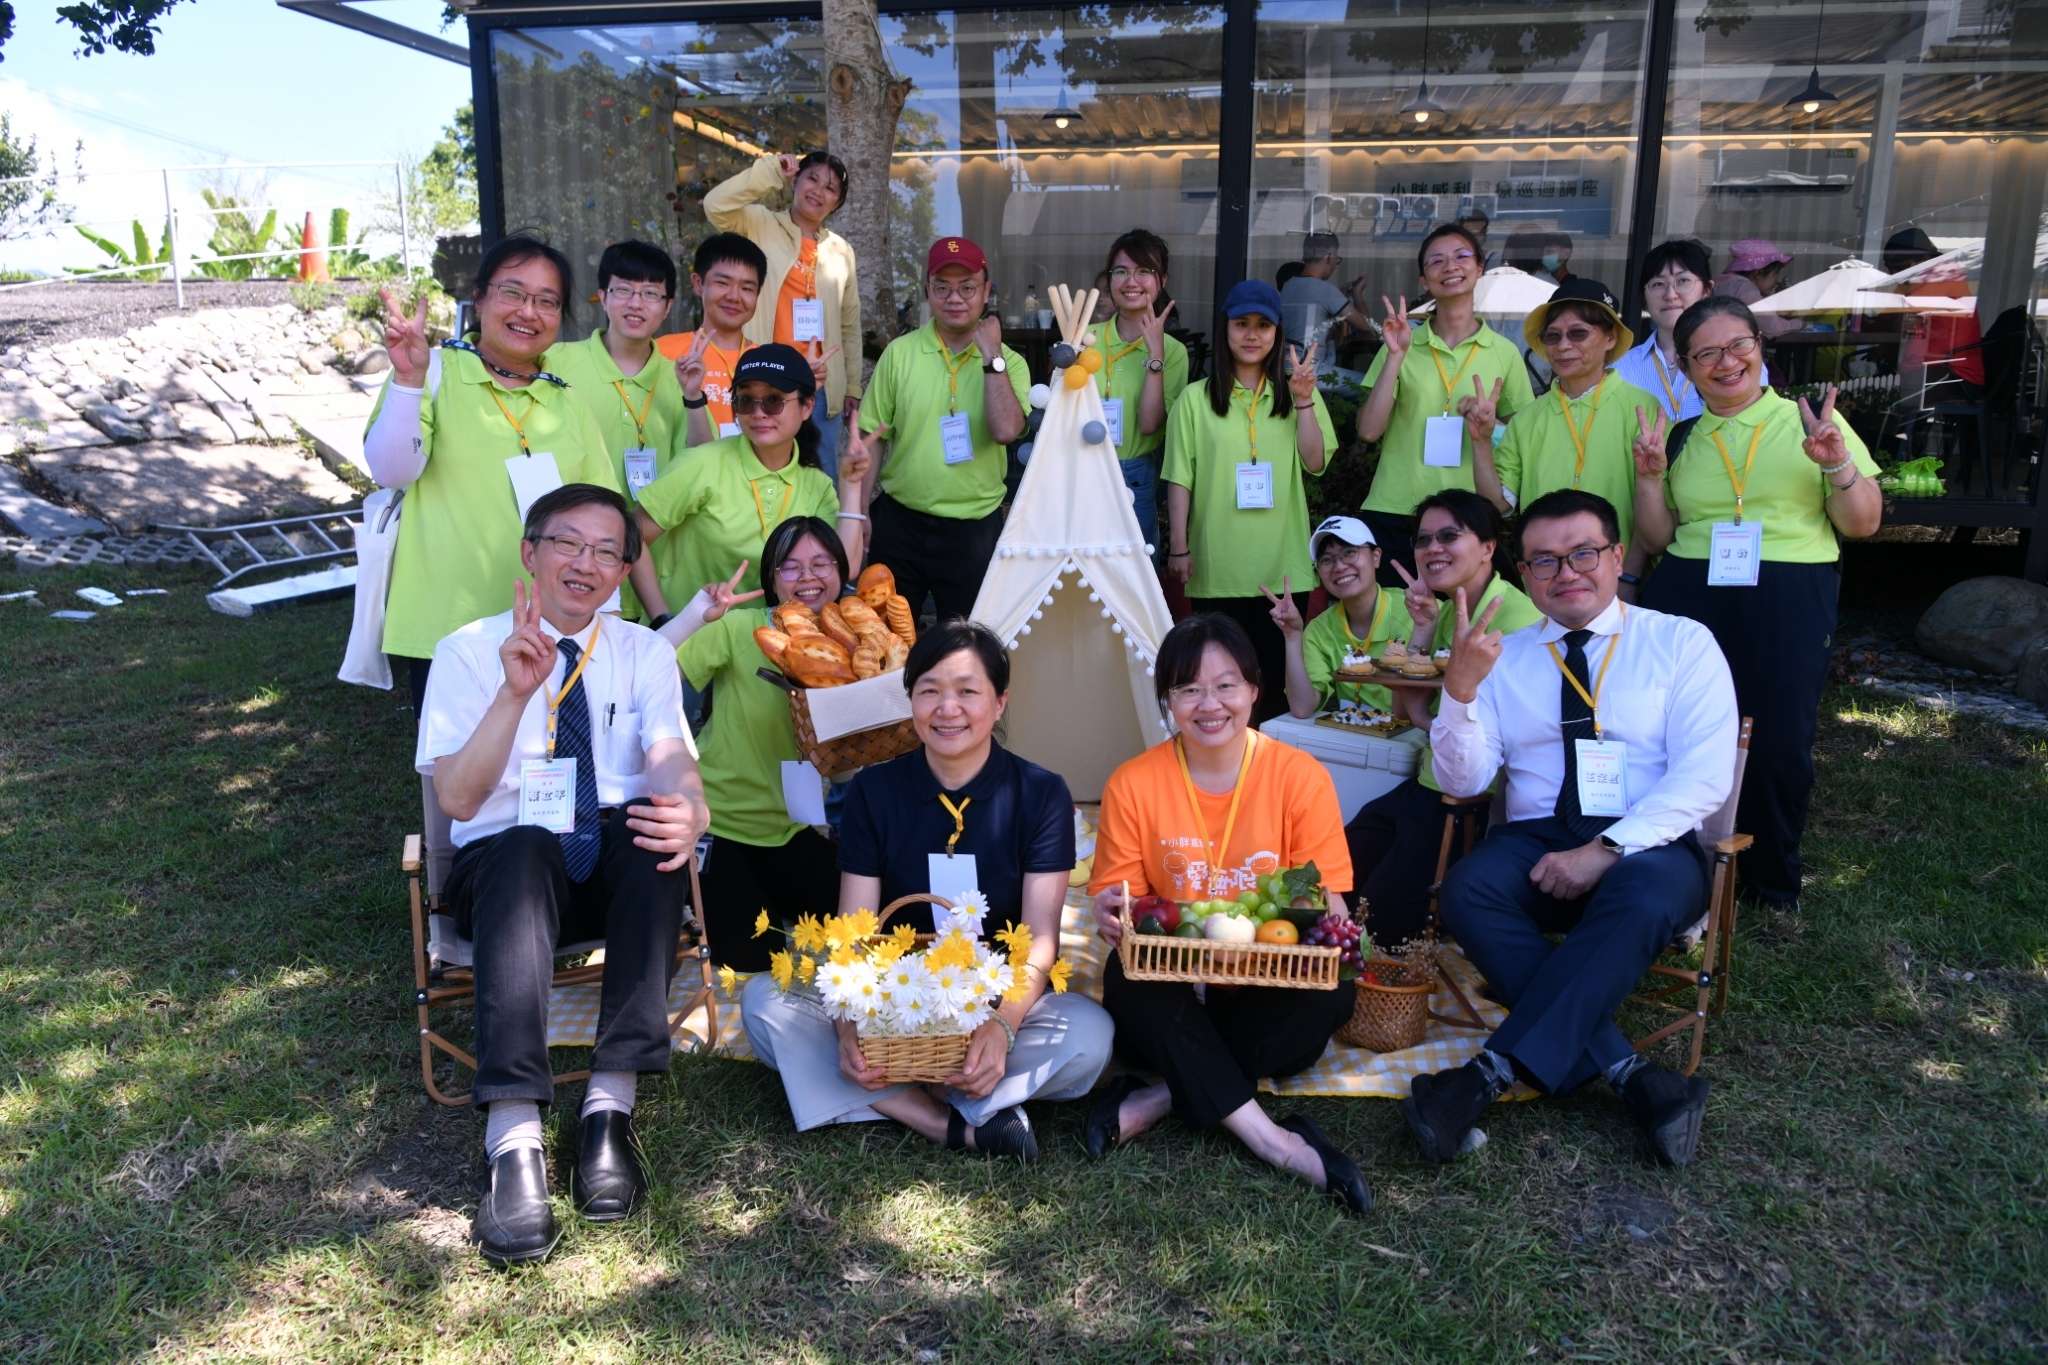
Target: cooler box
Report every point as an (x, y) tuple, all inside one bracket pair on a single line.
[(1363, 766)]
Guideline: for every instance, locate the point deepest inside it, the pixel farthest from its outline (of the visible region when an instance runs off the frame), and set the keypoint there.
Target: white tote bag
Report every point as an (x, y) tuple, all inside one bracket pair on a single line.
[(376, 547)]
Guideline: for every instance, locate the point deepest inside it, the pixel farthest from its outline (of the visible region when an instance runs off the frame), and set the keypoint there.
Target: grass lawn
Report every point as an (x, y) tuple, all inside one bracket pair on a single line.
[(214, 1145)]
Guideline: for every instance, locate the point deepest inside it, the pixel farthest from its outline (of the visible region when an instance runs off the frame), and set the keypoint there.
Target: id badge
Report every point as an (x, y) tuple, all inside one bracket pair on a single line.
[(957, 443), (639, 469), (1443, 442), (533, 477), (547, 794), (1113, 417), (1603, 777), (1736, 553), (1254, 487), (952, 877), (726, 429), (807, 320)]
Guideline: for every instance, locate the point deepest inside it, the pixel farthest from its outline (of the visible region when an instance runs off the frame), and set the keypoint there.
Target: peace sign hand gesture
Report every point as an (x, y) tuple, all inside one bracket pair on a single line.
[(787, 164), (1824, 444), (1286, 615), (860, 453), (405, 341), (1648, 450), (1420, 601), (1481, 413), (1475, 648), (528, 655), (1301, 376), (1152, 327), (727, 595), (690, 368), (1397, 330), (818, 364)]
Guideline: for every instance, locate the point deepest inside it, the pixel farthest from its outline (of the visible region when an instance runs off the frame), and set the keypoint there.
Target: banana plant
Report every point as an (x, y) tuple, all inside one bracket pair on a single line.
[(146, 263)]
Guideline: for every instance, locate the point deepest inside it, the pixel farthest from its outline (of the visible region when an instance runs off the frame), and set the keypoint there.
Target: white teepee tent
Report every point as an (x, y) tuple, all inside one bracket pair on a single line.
[(1072, 592)]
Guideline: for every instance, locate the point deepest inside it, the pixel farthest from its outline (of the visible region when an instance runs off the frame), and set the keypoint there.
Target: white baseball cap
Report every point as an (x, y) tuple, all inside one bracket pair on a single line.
[(1350, 530)]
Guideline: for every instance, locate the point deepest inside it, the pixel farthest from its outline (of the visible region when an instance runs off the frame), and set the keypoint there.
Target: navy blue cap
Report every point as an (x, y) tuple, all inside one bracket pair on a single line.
[(1253, 296), (775, 364)]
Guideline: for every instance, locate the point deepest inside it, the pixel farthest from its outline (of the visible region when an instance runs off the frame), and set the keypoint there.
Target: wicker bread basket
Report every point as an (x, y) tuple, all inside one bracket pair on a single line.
[(1162, 957), (1393, 1014), (921, 1056), (833, 757)]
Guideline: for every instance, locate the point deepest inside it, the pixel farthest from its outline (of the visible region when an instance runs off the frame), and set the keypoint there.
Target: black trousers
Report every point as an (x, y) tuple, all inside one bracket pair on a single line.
[(1561, 998), (741, 880), (1395, 532), (512, 896), (1255, 614), (941, 555), (1394, 840), (1213, 1053), (1777, 636)]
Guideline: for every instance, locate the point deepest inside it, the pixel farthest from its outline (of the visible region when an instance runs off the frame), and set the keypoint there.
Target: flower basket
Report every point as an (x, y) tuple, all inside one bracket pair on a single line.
[(919, 1056), (1392, 1013), (1159, 957)]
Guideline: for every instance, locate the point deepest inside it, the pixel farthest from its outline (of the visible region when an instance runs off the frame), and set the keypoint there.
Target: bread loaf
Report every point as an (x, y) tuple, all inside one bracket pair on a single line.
[(817, 661), (794, 618), (877, 585), (901, 622), (895, 652), (867, 658), (772, 642), (833, 623), (860, 618)]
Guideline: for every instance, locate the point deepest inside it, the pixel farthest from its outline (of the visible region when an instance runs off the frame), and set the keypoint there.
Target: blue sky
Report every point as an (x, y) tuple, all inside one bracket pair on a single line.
[(239, 80)]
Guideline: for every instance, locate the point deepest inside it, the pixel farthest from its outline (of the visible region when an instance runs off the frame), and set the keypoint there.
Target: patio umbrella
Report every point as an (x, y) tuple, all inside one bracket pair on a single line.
[(1881, 301), (1505, 292), (1834, 290)]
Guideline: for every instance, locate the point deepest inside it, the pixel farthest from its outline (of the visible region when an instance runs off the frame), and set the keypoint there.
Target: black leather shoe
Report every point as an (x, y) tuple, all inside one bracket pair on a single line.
[(1342, 1180), (1442, 1107), (609, 1181), (1670, 1108), (514, 1223), (1007, 1133), (1105, 1118)]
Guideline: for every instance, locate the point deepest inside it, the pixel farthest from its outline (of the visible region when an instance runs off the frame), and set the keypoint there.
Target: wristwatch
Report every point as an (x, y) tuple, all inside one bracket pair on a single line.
[(1631, 579), (702, 400), (996, 366), (1156, 366)]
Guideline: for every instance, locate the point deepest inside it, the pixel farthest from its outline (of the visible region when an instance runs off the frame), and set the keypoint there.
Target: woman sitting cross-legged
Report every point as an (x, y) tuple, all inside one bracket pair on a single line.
[(960, 813), (1200, 817)]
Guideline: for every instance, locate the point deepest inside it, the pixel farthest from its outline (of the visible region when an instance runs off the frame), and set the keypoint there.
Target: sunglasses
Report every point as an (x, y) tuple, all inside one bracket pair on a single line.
[(1448, 536), (1577, 336), (771, 404)]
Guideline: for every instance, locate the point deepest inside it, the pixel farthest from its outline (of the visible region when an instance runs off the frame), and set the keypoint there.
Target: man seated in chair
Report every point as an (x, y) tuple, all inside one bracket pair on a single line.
[(556, 741), (1616, 727)]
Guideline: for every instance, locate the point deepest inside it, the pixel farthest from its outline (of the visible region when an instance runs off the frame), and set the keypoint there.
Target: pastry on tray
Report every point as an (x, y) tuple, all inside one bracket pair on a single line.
[(1418, 666), (1357, 664), (1442, 660)]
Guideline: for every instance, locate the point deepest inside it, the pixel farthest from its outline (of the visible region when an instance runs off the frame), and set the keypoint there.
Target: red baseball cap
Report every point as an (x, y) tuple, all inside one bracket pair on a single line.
[(954, 251)]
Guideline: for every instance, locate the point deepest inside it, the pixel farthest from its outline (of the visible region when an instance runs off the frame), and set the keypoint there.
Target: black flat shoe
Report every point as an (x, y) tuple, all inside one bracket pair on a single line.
[(1441, 1108), (609, 1182), (514, 1224), (1670, 1108), (1105, 1119), (1342, 1180), (1007, 1134)]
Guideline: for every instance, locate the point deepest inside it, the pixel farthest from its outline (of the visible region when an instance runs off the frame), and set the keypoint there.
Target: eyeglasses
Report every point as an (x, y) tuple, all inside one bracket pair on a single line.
[(1583, 560), (620, 294), (1125, 272), (1439, 261), (546, 304), (771, 404), (955, 291), (1347, 554), (1448, 536), (790, 570), (1671, 284), (1577, 336), (569, 547), (1193, 694), (1740, 347)]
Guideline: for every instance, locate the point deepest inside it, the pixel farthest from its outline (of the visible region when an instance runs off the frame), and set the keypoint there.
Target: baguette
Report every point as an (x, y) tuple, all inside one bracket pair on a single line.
[(794, 618), (860, 618), (772, 642), (877, 585), (902, 622), (834, 624), (817, 661), (895, 652), (867, 658)]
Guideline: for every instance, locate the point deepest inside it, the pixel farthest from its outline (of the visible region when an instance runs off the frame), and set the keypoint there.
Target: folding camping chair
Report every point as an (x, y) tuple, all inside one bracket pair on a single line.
[(443, 976)]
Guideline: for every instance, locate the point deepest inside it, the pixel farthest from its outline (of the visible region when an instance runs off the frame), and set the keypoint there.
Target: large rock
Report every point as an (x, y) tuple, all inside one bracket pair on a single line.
[(161, 482), (1984, 623), (2033, 680)]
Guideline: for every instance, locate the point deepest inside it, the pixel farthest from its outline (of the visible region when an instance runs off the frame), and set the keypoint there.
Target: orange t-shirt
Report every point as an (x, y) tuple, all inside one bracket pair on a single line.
[(800, 283), (1148, 836), (718, 367)]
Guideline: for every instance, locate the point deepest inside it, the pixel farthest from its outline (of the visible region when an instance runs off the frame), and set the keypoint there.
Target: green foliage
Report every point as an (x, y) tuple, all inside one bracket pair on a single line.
[(30, 206), (144, 255), (343, 256), (124, 25), (312, 295), (235, 233), (443, 193)]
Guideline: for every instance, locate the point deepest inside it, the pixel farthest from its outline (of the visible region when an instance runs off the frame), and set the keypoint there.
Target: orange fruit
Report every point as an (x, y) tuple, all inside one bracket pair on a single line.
[(1277, 931)]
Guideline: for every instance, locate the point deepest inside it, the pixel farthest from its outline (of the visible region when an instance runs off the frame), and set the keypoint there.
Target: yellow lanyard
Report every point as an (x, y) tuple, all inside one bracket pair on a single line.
[(959, 814), (1592, 416), (1251, 415), (953, 374), (1379, 614), (1664, 378), (1747, 465), (570, 681), (1114, 360), (1215, 851), (805, 273), (1451, 380), (639, 422), (1600, 682), (519, 430), (761, 508)]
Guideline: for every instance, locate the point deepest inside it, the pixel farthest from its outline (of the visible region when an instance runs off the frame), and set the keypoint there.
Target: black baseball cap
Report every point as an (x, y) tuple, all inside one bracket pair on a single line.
[(779, 366)]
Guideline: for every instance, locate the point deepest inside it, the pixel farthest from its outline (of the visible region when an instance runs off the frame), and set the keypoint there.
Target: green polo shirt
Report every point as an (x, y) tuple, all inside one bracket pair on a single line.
[(1328, 639), (912, 389), (1123, 376), (1516, 611), (1785, 490), (1537, 453), (719, 504), (1402, 479), (458, 531), (750, 735), (1237, 551)]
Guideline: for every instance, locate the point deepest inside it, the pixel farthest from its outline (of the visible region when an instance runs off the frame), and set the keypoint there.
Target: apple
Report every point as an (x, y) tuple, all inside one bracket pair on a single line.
[(1161, 909)]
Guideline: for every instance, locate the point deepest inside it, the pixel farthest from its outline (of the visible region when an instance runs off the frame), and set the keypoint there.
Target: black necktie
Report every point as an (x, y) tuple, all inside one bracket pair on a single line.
[(572, 740), (1576, 715)]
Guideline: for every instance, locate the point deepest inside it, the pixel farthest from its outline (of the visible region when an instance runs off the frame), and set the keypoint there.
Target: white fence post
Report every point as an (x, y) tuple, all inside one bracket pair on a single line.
[(171, 231), (404, 224)]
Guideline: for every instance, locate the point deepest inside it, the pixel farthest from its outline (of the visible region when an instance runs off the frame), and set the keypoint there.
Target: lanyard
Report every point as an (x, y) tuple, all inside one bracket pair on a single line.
[(1379, 614), (1592, 416), (1664, 378), (959, 814), (1599, 682), (524, 449), (1251, 417), (788, 492), (640, 422), (1118, 357), (1215, 851), (1729, 461), (953, 373), (454, 345), (805, 273), (569, 682), (1451, 380)]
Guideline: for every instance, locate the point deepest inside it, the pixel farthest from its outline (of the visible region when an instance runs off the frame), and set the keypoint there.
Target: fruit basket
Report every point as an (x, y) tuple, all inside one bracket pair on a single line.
[(1236, 960)]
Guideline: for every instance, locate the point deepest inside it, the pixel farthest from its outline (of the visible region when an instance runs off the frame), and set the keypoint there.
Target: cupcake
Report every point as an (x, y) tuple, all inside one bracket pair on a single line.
[(1418, 666), (1442, 660)]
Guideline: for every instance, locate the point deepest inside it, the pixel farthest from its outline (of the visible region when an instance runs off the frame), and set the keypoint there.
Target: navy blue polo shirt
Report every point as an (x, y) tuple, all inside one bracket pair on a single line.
[(1019, 819)]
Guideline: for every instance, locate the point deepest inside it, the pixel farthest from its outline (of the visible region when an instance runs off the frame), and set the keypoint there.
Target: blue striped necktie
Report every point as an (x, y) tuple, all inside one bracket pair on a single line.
[(572, 740)]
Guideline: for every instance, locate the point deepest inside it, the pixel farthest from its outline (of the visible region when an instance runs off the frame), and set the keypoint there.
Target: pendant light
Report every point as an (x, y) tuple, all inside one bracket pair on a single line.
[(1061, 116), (1422, 106), (1813, 97)]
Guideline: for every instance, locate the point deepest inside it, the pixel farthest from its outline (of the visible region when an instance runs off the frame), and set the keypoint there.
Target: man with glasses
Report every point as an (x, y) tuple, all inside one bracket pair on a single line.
[(555, 738), (1616, 729), (1310, 305), (950, 397)]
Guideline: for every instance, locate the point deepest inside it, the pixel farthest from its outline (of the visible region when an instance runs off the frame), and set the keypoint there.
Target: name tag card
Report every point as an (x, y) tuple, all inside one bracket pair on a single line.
[(957, 443), (639, 469), (1254, 487), (807, 320), (1603, 777), (951, 877), (533, 477), (1737, 552), (1443, 442), (547, 794), (803, 792), (1113, 418)]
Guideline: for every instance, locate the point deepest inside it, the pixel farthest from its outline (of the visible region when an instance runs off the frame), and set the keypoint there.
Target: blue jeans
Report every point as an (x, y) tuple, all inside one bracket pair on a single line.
[(1141, 476), (828, 438)]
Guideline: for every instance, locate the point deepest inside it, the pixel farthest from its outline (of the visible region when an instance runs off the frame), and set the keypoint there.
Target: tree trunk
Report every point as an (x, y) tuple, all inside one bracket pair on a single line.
[(863, 99)]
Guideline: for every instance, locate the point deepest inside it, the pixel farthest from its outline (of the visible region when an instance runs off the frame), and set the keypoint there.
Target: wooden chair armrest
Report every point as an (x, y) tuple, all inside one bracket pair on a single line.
[(1734, 843), (410, 860)]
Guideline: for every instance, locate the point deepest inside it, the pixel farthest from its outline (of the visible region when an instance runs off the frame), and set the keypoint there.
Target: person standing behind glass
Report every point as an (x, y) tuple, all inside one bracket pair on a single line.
[(1755, 270), (1415, 410), (1143, 371), (817, 303), (1756, 495), (1310, 305), (726, 276), (1676, 275)]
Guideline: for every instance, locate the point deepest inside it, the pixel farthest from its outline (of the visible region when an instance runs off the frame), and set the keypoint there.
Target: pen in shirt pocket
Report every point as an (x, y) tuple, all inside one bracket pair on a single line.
[(611, 713)]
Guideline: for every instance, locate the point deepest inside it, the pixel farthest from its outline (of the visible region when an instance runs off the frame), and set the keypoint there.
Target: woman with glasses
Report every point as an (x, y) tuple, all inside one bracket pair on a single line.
[(1755, 497), (1421, 388), (1361, 619), (724, 499), (1202, 817), (1460, 543), (1143, 370), (1676, 276)]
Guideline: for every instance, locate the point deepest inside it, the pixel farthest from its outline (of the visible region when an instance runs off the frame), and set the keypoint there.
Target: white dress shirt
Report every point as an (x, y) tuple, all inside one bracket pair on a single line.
[(636, 701), (1668, 696), (1644, 367)]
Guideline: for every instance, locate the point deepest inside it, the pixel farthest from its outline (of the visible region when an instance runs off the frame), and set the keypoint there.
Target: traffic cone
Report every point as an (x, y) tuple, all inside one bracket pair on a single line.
[(312, 256)]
